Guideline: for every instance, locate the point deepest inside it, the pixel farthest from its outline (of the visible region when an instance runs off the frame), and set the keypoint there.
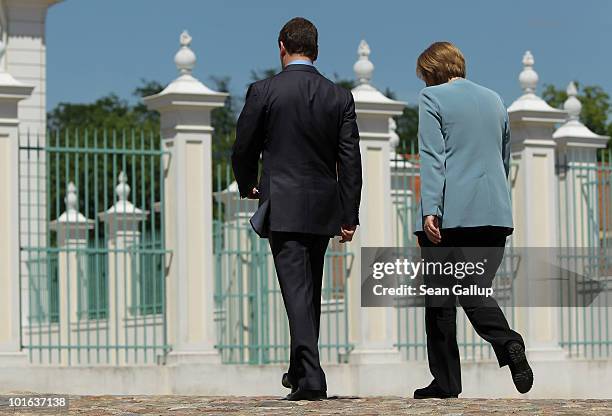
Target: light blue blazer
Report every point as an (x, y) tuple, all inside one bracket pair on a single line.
[(464, 149)]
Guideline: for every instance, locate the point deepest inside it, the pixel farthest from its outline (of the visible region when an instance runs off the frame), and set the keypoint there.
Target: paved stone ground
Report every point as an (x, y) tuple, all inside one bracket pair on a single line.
[(353, 406)]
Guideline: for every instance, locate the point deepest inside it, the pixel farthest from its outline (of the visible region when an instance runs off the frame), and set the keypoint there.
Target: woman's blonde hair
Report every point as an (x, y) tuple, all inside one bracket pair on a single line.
[(440, 62)]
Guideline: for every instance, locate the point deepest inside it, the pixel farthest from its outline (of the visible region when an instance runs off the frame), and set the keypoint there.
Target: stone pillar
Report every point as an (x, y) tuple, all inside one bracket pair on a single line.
[(23, 24), (185, 107), (372, 330), (577, 172), (534, 198), (11, 93), (122, 222), (72, 228)]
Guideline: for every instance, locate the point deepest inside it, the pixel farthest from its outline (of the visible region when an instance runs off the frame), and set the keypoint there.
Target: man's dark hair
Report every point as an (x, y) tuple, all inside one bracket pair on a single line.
[(300, 37)]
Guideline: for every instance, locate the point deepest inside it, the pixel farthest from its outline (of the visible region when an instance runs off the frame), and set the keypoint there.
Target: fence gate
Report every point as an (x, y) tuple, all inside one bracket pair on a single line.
[(585, 218), (250, 315), (92, 248)]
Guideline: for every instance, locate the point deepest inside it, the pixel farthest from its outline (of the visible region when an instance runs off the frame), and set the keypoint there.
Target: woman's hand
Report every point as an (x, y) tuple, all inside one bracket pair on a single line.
[(432, 229)]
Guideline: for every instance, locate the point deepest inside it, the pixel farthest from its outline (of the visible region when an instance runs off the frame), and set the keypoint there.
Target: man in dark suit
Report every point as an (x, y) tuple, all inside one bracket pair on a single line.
[(309, 189)]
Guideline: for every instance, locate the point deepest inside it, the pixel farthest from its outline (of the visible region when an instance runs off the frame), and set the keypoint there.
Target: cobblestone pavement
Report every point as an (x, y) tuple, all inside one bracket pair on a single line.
[(354, 406)]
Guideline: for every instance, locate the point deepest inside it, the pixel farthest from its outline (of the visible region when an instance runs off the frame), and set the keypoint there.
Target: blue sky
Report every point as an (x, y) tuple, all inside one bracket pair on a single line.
[(95, 47)]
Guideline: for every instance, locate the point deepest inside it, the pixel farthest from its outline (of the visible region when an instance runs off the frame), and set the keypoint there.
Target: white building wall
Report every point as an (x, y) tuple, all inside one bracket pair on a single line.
[(26, 56)]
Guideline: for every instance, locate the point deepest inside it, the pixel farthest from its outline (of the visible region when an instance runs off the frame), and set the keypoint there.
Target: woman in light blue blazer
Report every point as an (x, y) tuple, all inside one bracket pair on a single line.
[(464, 151)]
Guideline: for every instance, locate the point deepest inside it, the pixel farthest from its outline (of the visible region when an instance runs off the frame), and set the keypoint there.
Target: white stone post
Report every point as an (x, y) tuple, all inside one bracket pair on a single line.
[(122, 222), (72, 228), (11, 93), (577, 160), (25, 37), (185, 107), (23, 24), (534, 199), (373, 330)]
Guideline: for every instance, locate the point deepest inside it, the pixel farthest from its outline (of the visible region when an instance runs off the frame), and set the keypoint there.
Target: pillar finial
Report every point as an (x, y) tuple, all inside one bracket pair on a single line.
[(122, 189), (573, 130), (363, 68), (71, 199), (572, 105), (71, 214), (528, 77), (185, 59), (394, 138)]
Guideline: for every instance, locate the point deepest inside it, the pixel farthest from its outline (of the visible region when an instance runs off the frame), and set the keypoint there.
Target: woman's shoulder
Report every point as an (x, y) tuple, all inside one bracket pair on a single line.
[(432, 90), (437, 93), (430, 95), (488, 92)]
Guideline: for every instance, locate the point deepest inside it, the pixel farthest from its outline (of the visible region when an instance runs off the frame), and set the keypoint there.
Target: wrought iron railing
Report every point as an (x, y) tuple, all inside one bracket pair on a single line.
[(92, 248)]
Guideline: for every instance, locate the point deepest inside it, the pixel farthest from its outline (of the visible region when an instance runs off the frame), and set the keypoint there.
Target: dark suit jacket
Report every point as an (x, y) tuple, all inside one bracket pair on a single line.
[(305, 126)]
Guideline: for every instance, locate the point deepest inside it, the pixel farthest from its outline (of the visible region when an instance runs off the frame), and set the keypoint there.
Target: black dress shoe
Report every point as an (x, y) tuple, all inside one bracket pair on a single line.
[(302, 394), (287, 383), (432, 392), (522, 375)]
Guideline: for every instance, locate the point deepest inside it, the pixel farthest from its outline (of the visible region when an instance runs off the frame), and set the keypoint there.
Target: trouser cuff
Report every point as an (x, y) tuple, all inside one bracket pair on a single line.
[(312, 383)]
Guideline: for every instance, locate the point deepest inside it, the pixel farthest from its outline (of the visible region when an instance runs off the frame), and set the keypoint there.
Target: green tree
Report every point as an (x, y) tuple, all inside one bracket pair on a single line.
[(407, 129), (110, 112), (223, 120), (141, 112)]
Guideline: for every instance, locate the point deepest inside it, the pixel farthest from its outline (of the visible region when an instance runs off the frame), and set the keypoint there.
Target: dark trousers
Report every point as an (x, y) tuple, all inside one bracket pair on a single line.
[(484, 313), (298, 259)]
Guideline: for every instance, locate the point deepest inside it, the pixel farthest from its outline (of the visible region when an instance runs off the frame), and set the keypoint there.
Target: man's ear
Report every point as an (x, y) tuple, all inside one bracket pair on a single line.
[(281, 46)]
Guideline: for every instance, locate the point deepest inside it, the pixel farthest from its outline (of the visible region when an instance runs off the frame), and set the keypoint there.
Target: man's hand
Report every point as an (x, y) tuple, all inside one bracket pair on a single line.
[(347, 232), (254, 194), (432, 229)]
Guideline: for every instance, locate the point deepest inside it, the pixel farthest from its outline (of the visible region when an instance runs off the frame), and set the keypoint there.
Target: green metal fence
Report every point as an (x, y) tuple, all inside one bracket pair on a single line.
[(250, 316), (92, 247), (585, 219), (405, 191)]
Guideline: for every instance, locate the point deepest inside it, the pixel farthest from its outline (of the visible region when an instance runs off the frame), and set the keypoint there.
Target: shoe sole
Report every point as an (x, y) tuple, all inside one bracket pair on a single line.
[(310, 399), (418, 396), (523, 380), (314, 399)]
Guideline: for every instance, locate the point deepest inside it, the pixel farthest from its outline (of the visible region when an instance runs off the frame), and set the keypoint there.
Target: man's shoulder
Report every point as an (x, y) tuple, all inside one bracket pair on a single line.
[(261, 85), (339, 90), (276, 79)]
